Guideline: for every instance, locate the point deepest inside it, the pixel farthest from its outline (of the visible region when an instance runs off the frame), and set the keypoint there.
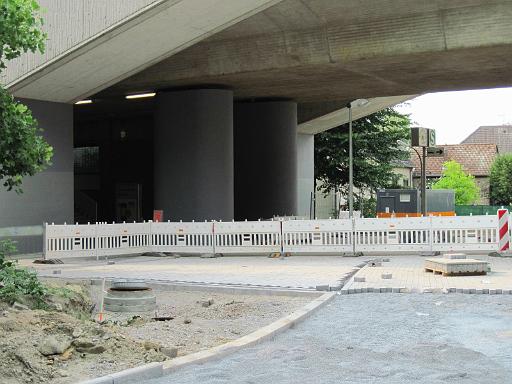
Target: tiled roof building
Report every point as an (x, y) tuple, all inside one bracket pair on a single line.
[(476, 159), (500, 135)]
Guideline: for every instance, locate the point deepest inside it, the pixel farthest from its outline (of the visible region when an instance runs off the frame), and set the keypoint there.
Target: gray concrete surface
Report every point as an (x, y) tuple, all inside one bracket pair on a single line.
[(386, 338)]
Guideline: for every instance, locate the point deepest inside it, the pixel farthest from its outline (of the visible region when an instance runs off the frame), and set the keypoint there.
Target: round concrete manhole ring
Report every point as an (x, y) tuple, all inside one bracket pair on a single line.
[(129, 285)]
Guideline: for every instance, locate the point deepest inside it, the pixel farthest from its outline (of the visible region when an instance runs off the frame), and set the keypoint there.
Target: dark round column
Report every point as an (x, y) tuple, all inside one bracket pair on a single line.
[(265, 159), (193, 154)]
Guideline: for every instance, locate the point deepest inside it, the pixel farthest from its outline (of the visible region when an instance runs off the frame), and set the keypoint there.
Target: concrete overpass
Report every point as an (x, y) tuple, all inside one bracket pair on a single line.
[(273, 67)]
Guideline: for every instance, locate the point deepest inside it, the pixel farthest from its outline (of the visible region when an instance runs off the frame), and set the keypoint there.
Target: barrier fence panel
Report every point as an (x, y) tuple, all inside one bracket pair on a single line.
[(327, 236), (182, 237), (61, 241), (465, 233), (393, 234), (251, 237), (120, 239), (458, 233)]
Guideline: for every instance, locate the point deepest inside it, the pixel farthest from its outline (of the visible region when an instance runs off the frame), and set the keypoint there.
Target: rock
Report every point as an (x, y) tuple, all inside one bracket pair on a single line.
[(62, 373), (96, 350), (58, 307), (149, 345), (54, 345), (187, 321), (82, 344), (77, 332), (207, 303), (66, 355), (20, 307), (170, 352)]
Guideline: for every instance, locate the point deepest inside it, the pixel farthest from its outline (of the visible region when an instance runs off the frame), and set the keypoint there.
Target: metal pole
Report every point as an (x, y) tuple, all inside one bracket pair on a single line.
[(351, 165), (424, 183)]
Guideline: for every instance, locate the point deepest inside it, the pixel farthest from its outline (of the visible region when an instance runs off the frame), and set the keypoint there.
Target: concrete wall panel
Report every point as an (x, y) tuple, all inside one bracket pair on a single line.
[(47, 196)]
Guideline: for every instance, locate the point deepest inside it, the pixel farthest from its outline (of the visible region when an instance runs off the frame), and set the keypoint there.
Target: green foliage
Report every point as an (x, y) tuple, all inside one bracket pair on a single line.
[(23, 152), (369, 205), (18, 284), (464, 185), (20, 29), (377, 144), (501, 180)]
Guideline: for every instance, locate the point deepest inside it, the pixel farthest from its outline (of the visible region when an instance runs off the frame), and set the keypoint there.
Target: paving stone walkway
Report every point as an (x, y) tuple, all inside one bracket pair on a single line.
[(295, 272), (408, 272)]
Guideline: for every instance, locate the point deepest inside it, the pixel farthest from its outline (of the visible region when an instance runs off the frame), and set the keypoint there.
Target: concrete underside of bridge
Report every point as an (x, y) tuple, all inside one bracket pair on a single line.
[(316, 54)]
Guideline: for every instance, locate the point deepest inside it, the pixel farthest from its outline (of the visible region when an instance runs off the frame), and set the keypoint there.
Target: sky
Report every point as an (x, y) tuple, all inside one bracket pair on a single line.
[(454, 115)]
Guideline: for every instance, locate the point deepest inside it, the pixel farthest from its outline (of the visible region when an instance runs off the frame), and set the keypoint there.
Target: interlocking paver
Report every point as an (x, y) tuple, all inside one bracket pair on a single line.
[(408, 271)]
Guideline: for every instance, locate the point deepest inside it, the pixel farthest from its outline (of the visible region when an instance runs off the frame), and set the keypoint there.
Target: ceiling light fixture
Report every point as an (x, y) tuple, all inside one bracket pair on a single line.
[(140, 95), (83, 102)]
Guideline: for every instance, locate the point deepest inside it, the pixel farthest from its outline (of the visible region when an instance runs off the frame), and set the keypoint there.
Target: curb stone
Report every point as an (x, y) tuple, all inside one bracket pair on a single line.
[(251, 339), (155, 370)]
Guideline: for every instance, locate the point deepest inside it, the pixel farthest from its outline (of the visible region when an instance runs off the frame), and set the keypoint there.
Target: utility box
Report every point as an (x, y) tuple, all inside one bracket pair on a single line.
[(398, 202), (407, 202), (441, 202)]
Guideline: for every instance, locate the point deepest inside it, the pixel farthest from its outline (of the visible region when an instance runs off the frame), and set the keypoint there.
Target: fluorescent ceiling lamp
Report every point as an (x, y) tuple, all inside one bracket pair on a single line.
[(141, 95), (83, 102), (359, 103)]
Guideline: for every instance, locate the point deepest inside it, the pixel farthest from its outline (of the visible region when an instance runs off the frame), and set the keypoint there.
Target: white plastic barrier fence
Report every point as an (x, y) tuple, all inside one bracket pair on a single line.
[(182, 237), (251, 237), (397, 234), (462, 233), (323, 236), (121, 239), (69, 240), (465, 233)]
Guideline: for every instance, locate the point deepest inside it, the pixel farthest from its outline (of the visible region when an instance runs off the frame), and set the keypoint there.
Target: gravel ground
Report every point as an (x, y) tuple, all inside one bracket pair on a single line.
[(379, 338), (195, 327)]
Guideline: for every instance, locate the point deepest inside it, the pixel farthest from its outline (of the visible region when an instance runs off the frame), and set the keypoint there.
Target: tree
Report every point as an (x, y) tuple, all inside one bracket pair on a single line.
[(23, 151), (377, 143), (501, 180), (464, 185)]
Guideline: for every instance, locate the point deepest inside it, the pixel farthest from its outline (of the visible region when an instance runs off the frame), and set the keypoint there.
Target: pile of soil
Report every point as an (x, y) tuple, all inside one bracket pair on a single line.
[(63, 344)]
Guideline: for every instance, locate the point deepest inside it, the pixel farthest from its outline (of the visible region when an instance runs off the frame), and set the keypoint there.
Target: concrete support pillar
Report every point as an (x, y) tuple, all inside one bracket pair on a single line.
[(265, 159), (193, 154), (306, 173)]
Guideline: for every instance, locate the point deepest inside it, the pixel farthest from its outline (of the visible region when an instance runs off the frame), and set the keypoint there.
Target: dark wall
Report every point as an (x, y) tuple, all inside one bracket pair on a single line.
[(47, 196)]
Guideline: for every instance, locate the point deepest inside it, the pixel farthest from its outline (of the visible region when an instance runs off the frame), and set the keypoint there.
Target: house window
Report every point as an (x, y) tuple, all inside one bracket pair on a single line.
[(405, 198)]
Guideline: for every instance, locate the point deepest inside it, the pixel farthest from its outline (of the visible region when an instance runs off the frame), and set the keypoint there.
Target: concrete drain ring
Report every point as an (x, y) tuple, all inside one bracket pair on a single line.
[(130, 297)]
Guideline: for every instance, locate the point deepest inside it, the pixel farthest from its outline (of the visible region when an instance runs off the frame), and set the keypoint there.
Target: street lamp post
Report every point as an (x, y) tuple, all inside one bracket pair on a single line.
[(355, 103)]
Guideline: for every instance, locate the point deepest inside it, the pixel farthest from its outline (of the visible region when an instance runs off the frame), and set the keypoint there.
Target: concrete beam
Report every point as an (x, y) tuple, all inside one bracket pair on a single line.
[(448, 47), (157, 32), (340, 116)]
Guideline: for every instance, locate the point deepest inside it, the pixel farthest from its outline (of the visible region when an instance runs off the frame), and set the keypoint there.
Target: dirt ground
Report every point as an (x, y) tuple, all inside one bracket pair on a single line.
[(66, 346)]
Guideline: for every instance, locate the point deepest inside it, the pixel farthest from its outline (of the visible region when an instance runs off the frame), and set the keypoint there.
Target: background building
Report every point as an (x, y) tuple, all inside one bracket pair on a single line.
[(476, 159)]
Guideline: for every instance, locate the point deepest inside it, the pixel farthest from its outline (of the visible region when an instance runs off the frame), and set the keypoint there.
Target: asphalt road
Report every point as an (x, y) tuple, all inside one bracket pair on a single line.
[(379, 338)]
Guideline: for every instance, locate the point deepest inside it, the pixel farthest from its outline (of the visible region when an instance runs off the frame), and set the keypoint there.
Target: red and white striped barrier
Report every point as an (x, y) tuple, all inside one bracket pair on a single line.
[(504, 240)]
